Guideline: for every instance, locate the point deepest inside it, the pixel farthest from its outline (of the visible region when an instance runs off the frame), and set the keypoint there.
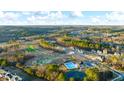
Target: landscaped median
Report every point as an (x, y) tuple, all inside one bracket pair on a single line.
[(47, 45), (77, 42)]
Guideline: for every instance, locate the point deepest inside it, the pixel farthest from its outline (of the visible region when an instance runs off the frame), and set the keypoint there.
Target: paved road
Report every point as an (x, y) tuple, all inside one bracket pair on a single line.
[(22, 74), (120, 75)]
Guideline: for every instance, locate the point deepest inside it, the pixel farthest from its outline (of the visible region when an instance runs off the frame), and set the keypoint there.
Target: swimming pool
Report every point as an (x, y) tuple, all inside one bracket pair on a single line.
[(70, 65), (88, 64)]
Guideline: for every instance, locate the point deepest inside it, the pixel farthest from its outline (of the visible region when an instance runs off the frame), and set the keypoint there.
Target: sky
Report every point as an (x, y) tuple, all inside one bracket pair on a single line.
[(61, 18)]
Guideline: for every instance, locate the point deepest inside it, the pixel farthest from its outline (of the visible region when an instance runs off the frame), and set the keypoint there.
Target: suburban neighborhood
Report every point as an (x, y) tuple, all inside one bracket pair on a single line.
[(63, 53)]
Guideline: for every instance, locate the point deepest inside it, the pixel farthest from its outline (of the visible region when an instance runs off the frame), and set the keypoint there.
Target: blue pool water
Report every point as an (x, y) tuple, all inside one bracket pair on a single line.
[(70, 65), (88, 64)]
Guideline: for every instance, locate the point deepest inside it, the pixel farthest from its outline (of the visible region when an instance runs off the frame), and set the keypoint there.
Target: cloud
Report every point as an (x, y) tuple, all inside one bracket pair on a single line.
[(109, 18), (47, 18), (77, 13), (58, 15), (60, 18), (115, 16), (26, 13), (96, 19), (9, 17), (37, 18)]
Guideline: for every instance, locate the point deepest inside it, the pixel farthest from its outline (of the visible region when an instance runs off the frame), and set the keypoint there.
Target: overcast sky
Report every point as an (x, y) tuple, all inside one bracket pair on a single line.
[(61, 18)]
